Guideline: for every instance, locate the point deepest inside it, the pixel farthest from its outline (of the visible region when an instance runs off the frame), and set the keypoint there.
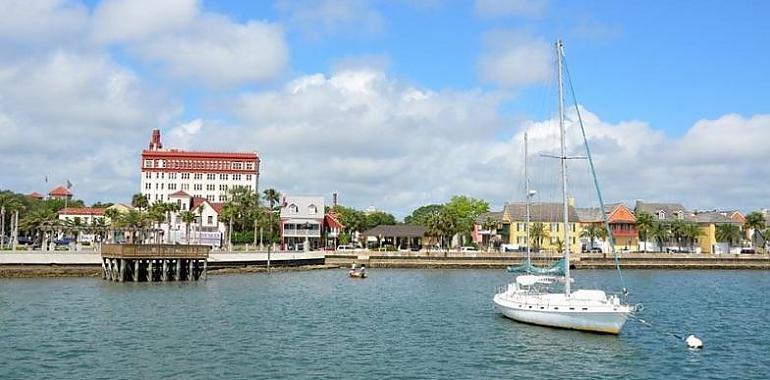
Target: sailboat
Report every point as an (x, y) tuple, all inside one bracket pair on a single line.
[(529, 297)]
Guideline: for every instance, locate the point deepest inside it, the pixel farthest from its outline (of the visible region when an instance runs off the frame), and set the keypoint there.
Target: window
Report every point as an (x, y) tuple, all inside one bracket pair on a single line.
[(211, 187), (161, 186), (293, 209), (198, 186), (223, 176), (248, 177), (148, 175), (185, 186), (210, 219), (171, 175), (249, 166), (554, 227), (147, 163), (661, 215), (312, 209), (185, 175), (236, 177), (223, 187), (223, 198), (162, 175), (211, 176), (237, 166), (148, 186), (172, 186), (210, 197), (198, 176)]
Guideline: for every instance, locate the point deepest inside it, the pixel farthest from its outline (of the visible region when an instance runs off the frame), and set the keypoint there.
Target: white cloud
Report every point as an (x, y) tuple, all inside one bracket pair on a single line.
[(45, 22), (191, 44), (220, 52), (514, 59), (128, 20), (316, 19), (74, 116), (507, 8)]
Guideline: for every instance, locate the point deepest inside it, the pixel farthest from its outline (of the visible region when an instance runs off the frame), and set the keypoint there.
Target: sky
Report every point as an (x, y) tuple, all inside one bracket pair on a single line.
[(394, 104)]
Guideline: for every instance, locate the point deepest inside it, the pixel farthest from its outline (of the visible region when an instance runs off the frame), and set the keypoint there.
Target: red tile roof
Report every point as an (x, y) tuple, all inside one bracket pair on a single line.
[(60, 191), (35, 195), (81, 211), (197, 201), (331, 221), (218, 207), (180, 193)]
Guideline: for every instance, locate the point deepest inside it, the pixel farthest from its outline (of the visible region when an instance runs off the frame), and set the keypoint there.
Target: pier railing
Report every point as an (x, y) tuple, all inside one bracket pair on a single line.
[(155, 251)]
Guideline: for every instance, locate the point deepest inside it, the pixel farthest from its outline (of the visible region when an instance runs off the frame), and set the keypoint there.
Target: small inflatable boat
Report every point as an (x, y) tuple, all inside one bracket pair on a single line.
[(357, 274)]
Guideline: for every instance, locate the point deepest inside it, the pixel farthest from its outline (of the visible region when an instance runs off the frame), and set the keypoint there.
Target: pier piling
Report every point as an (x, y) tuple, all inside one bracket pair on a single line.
[(135, 262)]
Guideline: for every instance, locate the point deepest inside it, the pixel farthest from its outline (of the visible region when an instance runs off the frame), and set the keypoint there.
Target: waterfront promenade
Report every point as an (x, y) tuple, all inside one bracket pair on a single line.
[(88, 263)]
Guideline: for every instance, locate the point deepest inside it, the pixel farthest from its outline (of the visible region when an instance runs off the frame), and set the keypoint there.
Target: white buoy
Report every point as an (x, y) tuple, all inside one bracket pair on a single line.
[(694, 342)]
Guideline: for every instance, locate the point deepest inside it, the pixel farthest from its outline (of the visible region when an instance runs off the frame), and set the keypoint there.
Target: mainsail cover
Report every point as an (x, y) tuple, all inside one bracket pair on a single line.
[(556, 268)]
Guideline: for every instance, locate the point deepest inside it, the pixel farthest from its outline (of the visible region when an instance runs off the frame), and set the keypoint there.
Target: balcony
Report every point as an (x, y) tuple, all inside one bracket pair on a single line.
[(623, 232)]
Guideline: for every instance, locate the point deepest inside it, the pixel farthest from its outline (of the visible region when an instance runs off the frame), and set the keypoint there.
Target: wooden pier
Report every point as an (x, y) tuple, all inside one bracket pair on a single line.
[(154, 262)]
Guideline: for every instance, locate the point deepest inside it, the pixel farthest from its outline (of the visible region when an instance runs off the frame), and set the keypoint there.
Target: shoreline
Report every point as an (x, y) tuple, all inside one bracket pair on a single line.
[(64, 271)]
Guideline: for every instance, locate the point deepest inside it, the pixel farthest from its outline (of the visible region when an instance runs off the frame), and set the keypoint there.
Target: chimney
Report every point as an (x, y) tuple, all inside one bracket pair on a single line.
[(334, 199), (155, 143)]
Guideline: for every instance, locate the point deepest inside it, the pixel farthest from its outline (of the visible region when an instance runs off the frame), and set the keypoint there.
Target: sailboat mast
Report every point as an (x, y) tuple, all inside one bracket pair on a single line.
[(526, 189), (559, 52)]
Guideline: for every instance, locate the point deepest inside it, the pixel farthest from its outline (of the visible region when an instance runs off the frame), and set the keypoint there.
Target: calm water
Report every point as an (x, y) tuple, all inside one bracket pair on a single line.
[(409, 324)]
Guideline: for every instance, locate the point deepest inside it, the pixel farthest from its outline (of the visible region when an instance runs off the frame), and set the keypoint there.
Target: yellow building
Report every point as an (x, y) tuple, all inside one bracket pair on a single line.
[(550, 216)]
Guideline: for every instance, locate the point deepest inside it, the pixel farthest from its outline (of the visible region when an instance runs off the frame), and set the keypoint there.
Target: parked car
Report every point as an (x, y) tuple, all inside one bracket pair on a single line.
[(468, 249), (748, 251), (345, 247), (64, 241), (24, 240)]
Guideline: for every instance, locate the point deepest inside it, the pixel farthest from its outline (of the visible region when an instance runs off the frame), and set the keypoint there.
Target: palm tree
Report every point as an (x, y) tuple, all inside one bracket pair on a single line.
[(690, 232), (661, 233), (594, 231), (187, 218), (114, 216), (272, 197), (755, 221), (728, 233), (644, 224), (537, 233), (136, 221), (157, 214), (34, 220), (169, 208), (490, 225), (139, 201), (677, 229)]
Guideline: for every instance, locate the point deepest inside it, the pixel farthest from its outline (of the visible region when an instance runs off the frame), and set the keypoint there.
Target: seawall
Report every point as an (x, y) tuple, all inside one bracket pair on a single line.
[(582, 261)]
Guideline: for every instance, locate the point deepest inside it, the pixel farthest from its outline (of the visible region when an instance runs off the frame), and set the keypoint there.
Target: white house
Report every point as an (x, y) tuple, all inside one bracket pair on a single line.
[(302, 221), (207, 228)]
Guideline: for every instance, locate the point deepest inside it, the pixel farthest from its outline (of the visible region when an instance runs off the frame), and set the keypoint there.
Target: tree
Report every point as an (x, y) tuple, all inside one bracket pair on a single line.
[(490, 225), (466, 210), (378, 218), (139, 201), (114, 216), (537, 233), (137, 222), (157, 214), (443, 225), (421, 215), (272, 197), (728, 233), (690, 233), (677, 230), (644, 224), (594, 231), (756, 222), (661, 233), (187, 217)]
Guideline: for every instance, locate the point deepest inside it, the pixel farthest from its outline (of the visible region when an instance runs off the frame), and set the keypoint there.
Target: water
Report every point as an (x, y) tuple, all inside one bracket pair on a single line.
[(404, 324)]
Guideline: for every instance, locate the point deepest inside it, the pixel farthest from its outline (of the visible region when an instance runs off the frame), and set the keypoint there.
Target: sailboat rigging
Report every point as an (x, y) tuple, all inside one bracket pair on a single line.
[(528, 298)]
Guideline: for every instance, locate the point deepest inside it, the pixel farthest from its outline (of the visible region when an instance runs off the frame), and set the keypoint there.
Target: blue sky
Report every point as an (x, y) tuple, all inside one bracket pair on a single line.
[(389, 103)]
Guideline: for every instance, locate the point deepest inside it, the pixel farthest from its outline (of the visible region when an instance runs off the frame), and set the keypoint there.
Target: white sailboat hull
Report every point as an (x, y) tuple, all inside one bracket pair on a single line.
[(561, 312)]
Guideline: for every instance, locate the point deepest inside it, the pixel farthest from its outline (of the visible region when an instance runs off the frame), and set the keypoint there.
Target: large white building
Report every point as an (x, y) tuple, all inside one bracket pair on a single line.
[(207, 175)]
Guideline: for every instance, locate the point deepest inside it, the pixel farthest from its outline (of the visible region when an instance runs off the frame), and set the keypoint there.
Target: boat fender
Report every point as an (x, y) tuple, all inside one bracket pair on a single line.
[(638, 308), (693, 342)]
